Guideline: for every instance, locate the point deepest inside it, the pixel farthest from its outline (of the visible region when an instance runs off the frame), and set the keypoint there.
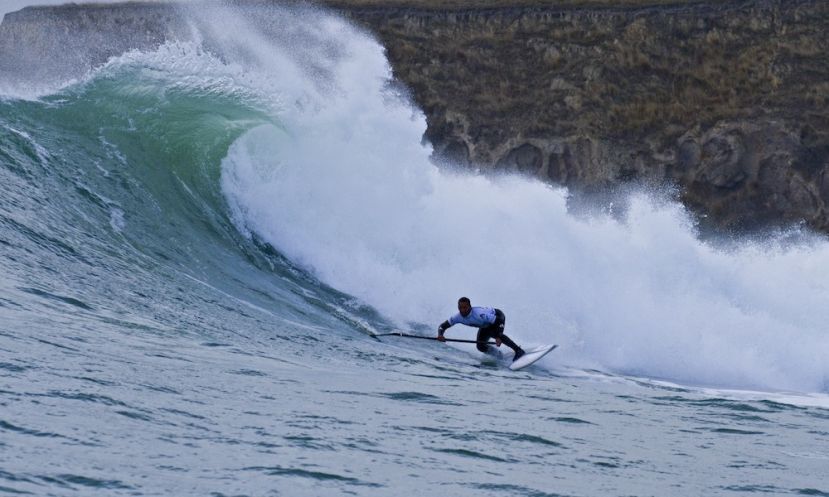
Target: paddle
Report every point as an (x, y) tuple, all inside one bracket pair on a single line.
[(406, 335)]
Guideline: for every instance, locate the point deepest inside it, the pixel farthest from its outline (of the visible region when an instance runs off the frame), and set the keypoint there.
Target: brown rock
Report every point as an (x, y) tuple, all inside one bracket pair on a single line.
[(525, 159)]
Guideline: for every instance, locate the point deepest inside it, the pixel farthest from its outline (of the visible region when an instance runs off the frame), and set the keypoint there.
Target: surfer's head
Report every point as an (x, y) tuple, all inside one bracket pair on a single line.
[(464, 306)]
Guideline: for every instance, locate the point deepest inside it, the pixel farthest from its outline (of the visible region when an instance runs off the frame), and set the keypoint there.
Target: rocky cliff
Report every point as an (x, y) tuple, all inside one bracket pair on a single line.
[(726, 102)]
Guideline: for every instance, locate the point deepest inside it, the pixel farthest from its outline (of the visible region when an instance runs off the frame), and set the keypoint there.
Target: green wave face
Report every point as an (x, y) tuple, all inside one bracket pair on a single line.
[(164, 132), (119, 175), (145, 145)]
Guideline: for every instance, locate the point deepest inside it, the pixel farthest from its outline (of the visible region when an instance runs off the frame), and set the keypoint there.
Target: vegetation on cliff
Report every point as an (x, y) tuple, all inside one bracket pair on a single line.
[(725, 100)]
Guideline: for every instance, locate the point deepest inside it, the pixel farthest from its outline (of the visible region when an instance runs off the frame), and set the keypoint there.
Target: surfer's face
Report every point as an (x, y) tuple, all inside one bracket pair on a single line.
[(464, 308)]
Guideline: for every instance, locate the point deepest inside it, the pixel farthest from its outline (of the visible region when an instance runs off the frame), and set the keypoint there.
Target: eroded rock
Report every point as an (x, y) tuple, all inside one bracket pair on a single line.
[(525, 159)]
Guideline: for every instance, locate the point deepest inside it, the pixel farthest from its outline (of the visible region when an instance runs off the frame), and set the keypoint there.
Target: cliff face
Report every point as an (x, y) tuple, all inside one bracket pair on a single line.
[(55, 43), (727, 101)]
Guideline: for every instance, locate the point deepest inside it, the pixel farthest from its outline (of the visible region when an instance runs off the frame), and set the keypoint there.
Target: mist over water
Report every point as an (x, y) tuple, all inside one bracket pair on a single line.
[(344, 187)]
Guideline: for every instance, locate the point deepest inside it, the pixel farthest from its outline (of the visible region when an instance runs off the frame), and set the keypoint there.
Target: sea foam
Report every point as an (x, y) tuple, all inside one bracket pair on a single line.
[(344, 186)]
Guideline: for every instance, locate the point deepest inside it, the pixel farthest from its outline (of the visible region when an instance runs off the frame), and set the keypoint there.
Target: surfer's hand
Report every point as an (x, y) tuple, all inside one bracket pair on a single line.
[(497, 341), (440, 338)]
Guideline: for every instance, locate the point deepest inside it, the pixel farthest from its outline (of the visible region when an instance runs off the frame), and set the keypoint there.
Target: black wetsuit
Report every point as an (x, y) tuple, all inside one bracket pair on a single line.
[(495, 330)]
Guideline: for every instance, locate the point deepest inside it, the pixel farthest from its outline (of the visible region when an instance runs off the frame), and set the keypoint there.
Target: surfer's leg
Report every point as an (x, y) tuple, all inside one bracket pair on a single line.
[(509, 343), (483, 336), (498, 330), (514, 346)]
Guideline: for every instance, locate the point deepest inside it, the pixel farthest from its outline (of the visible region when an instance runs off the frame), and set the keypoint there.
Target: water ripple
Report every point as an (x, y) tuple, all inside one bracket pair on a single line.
[(314, 475), (474, 454)]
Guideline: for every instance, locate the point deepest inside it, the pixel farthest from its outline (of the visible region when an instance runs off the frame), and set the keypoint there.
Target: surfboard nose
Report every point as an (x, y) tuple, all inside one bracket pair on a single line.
[(531, 357)]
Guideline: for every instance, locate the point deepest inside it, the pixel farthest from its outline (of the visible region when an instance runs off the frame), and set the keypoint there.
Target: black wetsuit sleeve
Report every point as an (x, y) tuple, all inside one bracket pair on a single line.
[(443, 326)]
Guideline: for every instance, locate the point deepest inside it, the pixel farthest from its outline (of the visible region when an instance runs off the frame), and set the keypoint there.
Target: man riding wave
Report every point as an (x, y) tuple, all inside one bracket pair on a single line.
[(489, 321)]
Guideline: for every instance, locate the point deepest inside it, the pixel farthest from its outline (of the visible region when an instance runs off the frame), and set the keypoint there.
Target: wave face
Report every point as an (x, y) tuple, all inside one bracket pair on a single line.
[(276, 161), (111, 198)]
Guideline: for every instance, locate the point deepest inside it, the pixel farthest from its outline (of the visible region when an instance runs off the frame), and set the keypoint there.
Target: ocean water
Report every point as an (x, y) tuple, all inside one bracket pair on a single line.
[(198, 242)]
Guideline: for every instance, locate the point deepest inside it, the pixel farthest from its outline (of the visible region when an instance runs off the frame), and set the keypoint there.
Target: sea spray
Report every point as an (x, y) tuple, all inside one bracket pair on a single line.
[(348, 192)]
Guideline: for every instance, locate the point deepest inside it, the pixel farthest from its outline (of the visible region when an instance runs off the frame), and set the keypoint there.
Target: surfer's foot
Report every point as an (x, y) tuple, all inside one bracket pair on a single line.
[(518, 353)]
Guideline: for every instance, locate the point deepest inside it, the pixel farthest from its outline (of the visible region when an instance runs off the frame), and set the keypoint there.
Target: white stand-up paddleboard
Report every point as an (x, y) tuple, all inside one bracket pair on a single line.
[(531, 356)]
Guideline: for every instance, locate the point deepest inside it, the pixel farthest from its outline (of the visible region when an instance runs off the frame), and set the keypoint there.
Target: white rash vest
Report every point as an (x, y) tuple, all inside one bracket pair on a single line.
[(478, 317)]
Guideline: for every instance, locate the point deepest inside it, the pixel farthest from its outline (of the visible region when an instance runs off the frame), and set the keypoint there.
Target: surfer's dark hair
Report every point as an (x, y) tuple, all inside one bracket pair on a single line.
[(464, 299)]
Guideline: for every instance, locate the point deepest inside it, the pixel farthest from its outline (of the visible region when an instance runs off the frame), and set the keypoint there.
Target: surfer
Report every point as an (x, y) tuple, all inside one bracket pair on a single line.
[(489, 321)]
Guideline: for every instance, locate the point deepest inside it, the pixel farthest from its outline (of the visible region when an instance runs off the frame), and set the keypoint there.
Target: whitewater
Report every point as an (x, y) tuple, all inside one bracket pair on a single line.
[(198, 243)]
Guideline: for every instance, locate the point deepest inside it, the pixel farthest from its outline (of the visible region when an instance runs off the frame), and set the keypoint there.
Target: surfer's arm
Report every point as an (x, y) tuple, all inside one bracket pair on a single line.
[(442, 328)]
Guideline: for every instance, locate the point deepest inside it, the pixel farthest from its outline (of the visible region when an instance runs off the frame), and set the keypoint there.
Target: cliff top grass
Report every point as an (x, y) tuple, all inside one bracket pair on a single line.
[(499, 4), (438, 5), (435, 6)]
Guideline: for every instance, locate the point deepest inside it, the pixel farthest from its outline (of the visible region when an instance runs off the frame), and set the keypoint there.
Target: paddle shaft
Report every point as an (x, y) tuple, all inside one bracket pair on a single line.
[(405, 335)]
